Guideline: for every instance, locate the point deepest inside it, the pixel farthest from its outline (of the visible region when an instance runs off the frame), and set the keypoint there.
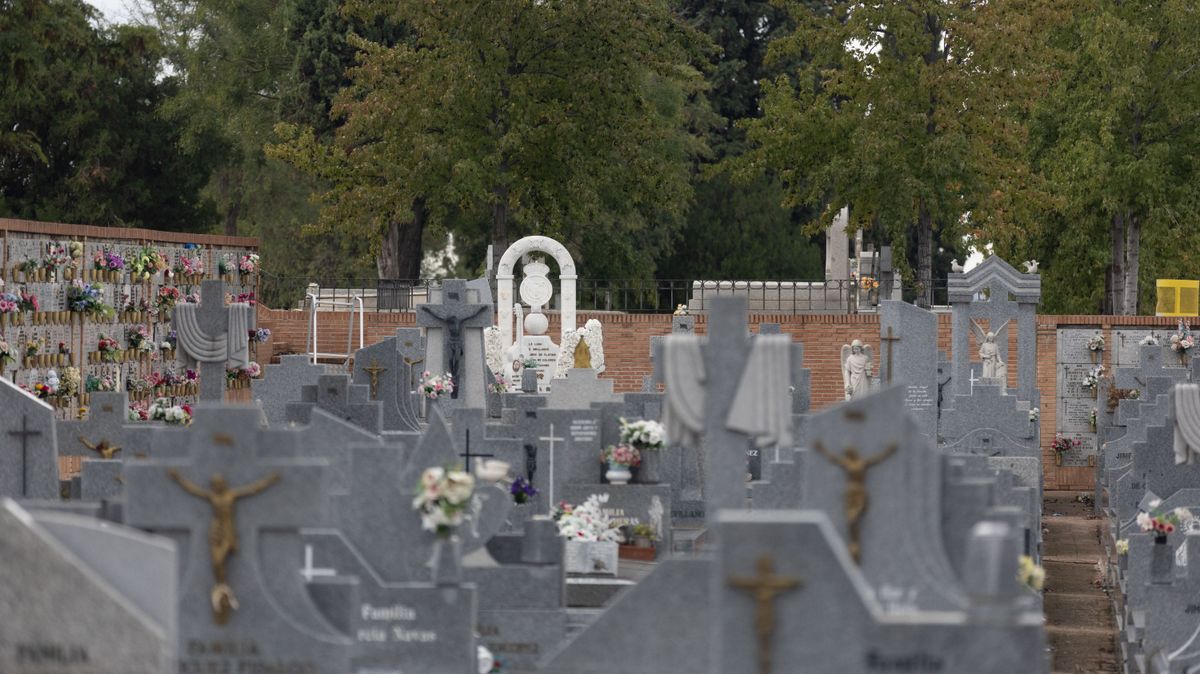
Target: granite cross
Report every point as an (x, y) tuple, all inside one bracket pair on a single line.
[(468, 455), (24, 434), (452, 317), (550, 438), (213, 321), (889, 339)]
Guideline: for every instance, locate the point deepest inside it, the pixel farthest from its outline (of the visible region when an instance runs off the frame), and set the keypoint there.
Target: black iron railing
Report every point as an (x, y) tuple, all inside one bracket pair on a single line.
[(653, 296)]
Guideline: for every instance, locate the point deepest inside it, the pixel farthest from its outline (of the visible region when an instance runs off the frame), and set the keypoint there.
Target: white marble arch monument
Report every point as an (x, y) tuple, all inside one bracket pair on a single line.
[(504, 284)]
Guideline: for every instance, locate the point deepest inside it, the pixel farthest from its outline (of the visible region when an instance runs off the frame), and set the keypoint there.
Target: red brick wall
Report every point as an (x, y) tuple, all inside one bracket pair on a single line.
[(627, 351)]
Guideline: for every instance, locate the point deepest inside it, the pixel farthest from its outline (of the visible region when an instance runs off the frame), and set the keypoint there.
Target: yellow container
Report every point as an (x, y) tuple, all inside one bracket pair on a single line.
[(1177, 297)]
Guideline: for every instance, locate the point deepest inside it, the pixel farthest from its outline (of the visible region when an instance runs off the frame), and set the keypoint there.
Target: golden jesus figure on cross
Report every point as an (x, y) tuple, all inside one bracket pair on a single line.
[(855, 498), (765, 587), (222, 533)]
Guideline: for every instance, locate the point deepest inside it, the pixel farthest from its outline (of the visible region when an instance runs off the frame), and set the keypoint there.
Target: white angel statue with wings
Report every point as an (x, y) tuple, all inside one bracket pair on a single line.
[(856, 369), (989, 352)]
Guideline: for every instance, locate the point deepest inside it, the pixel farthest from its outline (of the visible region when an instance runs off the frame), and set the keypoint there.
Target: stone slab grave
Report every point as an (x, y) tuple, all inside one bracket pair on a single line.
[(787, 563), (908, 354), (83, 596), (282, 384), (631, 504), (402, 612), (235, 517), (989, 407), (879, 482), (325, 437), (392, 369), (454, 320), (1166, 619), (336, 395), (105, 439), (28, 445), (1153, 469), (213, 335)]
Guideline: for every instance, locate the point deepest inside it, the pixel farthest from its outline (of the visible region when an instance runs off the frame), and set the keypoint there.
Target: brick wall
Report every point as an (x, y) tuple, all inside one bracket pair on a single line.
[(627, 351)]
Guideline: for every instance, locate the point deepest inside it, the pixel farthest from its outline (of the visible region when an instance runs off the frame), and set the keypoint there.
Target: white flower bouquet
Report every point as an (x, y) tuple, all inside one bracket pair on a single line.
[(587, 522), (642, 434), (442, 499)]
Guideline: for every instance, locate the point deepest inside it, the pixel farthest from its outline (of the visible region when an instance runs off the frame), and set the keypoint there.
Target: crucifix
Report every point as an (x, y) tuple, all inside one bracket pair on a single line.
[(104, 448), (24, 434), (467, 454), (550, 438), (765, 587), (373, 371), (889, 339), (453, 317), (213, 335), (855, 498)]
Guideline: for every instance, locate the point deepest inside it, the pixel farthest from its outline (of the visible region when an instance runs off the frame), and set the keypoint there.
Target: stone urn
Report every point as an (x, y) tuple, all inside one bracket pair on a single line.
[(618, 473)]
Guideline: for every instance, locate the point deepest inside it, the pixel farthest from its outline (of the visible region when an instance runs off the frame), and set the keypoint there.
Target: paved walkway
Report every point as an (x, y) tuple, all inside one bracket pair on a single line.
[(1079, 620)]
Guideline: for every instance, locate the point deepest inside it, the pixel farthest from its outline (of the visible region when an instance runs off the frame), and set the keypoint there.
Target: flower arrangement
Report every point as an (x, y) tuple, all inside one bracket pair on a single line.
[(9, 303), (1122, 546), (868, 283), (1062, 444), (1035, 414), (1163, 523), (621, 455), (87, 298), (1096, 343), (190, 266), (521, 490), (224, 266), (109, 348), (529, 363), (587, 522), (1031, 575), (442, 498), (107, 260), (499, 384), (63, 349), (1148, 340), (45, 389), (7, 355), (248, 264), (168, 297), (251, 371), (139, 411), (1116, 395), (1092, 381), (32, 347), (104, 382), (241, 298), (642, 434), (170, 341), (56, 256), (163, 410), (75, 249), (1182, 341), (28, 302), (29, 266), (70, 382), (146, 263), (260, 335), (138, 337), (436, 386)]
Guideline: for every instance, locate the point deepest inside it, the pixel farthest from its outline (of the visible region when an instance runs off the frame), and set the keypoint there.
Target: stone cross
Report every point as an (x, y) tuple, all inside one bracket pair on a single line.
[(549, 438), (888, 339), (213, 321), (467, 455), (24, 434), (453, 317)]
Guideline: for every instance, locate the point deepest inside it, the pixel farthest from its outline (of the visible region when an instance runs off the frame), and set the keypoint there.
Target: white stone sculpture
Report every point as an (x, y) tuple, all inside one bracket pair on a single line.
[(994, 366), (856, 369)]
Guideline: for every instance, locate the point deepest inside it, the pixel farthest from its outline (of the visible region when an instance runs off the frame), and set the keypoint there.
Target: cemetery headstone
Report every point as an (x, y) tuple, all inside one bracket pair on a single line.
[(29, 445), (454, 324), (282, 383), (214, 336)]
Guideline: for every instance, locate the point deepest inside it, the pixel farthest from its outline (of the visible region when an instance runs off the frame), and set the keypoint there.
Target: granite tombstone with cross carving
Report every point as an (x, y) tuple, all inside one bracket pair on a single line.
[(215, 336), (236, 516), (105, 439), (28, 445), (392, 368), (454, 321)]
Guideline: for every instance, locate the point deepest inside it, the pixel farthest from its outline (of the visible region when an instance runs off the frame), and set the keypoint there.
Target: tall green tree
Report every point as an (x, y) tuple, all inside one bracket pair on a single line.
[(1117, 143), (564, 117), (885, 113), (83, 139), (738, 229)]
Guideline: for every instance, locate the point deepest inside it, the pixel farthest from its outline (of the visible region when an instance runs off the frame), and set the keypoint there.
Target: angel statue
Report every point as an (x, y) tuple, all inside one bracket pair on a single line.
[(856, 369), (989, 352)]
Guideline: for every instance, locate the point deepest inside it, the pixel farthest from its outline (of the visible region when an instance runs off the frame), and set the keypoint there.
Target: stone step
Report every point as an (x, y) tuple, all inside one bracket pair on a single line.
[(1091, 611), (1082, 650), (1072, 577)]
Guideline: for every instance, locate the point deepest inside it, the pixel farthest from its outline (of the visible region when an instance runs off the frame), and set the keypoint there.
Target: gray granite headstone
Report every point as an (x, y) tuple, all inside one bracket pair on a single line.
[(908, 355), (78, 595), (275, 623), (282, 383), (28, 445), (106, 427), (454, 321), (396, 363), (336, 395)]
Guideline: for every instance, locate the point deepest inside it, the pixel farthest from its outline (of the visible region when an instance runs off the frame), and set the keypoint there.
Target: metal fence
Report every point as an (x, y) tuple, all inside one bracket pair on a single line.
[(651, 296)]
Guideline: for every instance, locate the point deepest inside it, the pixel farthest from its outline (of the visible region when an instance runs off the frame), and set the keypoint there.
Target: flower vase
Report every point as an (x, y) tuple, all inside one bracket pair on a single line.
[(617, 473), (1058, 458), (650, 470), (1095, 356), (1095, 392), (445, 564), (1162, 560), (529, 380)]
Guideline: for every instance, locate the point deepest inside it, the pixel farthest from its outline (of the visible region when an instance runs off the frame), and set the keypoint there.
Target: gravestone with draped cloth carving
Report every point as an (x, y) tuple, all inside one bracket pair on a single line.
[(214, 336)]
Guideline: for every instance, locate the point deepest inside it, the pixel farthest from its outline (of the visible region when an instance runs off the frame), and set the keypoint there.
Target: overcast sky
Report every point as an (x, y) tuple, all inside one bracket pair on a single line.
[(116, 11)]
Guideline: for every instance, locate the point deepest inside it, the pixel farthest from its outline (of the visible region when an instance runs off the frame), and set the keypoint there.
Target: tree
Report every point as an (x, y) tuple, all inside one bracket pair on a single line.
[(886, 113), (83, 137), (562, 118), (738, 229), (1116, 142)]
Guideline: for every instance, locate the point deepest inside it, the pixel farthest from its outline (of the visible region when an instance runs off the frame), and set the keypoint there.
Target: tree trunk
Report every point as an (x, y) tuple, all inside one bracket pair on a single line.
[(234, 211), (1117, 240), (925, 257), (500, 221), (1133, 236), (400, 254)]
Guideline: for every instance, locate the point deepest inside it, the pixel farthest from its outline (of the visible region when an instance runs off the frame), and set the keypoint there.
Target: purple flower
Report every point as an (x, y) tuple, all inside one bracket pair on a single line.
[(522, 490)]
